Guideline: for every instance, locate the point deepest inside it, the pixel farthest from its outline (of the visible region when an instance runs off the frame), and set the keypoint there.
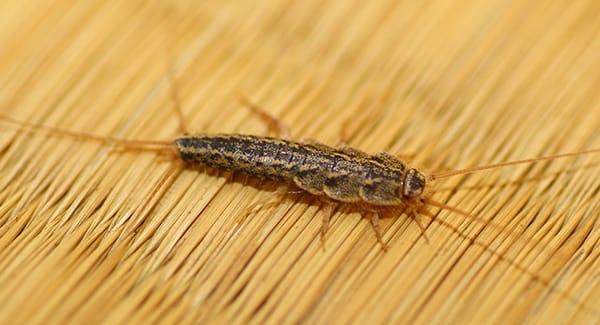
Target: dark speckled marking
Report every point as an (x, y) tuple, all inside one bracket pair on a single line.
[(342, 174)]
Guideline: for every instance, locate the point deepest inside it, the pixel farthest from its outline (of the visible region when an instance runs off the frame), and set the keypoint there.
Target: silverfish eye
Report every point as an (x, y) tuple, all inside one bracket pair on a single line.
[(414, 184)]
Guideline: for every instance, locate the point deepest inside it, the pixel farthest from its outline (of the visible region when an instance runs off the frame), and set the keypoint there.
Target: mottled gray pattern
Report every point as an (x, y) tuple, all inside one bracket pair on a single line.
[(342, 174)]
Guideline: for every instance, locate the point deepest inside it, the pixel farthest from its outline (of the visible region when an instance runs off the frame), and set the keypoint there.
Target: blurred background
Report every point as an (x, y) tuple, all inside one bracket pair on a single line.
[(90, 234)]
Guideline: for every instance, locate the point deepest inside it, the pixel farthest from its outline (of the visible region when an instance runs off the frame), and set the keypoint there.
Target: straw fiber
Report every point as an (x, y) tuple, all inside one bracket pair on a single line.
[(91, 232)]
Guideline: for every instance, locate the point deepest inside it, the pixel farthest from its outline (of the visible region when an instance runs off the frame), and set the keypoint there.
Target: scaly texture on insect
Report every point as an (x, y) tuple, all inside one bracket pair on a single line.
[(342, 174)]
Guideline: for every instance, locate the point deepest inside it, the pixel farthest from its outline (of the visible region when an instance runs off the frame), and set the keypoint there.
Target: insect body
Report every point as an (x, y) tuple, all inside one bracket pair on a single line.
[(342, 174)]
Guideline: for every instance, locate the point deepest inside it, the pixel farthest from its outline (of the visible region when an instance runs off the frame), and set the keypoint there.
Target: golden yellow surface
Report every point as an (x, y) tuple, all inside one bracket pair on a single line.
[(91, 234)]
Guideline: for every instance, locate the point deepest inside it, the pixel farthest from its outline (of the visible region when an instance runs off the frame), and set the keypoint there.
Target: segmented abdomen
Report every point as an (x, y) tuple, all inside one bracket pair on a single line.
[(260, 157), (342, 174)]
